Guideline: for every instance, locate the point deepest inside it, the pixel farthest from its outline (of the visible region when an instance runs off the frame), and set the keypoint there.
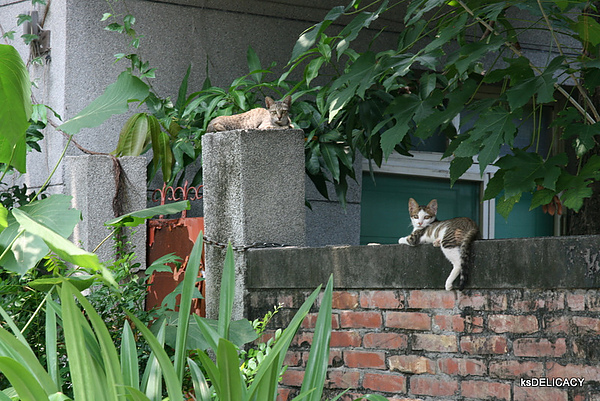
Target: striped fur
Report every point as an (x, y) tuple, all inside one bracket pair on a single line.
[(454, 237)]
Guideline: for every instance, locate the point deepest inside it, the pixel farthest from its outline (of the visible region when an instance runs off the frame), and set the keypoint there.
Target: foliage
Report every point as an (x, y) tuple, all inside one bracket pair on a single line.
[(446, 55)]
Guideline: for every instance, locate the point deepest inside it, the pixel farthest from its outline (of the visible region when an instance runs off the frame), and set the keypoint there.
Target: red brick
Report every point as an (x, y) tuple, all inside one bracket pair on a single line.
[(587, 325), (431, 299), (457, 323), (433, 386), (576, 301), (381, 300), (435, 342), (589, 373), (461, 367), (478, 301), (485, 390), (513, 323), (283, 394), (338, 378), (385, 340), (539, 347), (344, 300), (359, 320), (364, 359), (310, 321), (411, 364), (531, 301), (336, 357), (558, 324), (303, 339), (292, 377), (385, 382), (516, 369), (345, 339), (539, 394), (484, 345), (293, 358), (408, 320)]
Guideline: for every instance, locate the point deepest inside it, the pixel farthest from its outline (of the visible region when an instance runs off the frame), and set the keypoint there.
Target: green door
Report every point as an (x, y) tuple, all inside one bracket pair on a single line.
[(384, 205)]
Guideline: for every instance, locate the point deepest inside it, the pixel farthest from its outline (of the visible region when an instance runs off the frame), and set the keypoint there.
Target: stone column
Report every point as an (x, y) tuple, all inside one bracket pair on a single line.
[(90, 180), (253, 192)]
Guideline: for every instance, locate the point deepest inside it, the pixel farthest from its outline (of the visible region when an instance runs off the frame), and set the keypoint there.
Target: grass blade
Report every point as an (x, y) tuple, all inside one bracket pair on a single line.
[(318, 359), (129, 359), (210, 334), (22, 380), (201, 388), (228, 363), (51, 346), (171, 380), (189, 282), (13, 327), (280, 348), (227, 294), (152, 376), (211, 370)]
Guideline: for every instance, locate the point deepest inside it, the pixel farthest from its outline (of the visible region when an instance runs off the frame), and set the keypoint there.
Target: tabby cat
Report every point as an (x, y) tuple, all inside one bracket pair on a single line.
[(454, 236), (275, 116)]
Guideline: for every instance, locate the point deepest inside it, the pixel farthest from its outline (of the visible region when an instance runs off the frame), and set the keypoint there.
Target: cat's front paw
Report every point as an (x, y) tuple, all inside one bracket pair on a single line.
[(448, 286), (403, 241)]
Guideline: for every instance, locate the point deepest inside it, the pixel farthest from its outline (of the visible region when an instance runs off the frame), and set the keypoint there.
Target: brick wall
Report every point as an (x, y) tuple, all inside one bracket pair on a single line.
[(439, 345), (531, 311)]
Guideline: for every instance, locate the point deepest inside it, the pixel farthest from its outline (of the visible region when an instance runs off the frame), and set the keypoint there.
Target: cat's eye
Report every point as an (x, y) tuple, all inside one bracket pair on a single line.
[(414, 216), (427, 216)]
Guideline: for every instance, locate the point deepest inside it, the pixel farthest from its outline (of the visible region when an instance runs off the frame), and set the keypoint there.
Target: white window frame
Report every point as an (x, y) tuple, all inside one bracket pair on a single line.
[(431, 165)]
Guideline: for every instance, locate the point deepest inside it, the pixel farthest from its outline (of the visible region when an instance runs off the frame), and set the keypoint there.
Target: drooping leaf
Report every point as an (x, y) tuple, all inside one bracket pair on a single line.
[(54, 212), (15, 96), (136, 134), (138, 217), (114, 100)]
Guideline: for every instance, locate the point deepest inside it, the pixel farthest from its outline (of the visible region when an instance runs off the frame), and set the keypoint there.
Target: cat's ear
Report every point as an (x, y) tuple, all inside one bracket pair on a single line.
[(413, 206), (269, 102), (433, 206), (288, 101)]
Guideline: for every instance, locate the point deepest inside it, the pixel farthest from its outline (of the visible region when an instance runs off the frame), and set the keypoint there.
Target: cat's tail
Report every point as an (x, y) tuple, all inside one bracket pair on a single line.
[(466, 256)]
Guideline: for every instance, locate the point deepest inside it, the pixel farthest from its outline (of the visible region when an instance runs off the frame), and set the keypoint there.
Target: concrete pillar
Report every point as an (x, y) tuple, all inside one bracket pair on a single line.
[(90, 180), (253, 192)]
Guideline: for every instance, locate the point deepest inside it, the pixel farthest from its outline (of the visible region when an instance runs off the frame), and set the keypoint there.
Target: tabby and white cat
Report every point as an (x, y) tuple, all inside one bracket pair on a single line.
[(454, 236), (275, 116)]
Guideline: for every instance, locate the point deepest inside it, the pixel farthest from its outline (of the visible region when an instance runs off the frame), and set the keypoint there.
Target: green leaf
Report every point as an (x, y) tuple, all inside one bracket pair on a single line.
[(318, 359), (229, 368), (15, 96), (201, 389), (136, 134), (505, 205), (3, 218), (46, 284), (541, 197), (585, 136), (114, 100), (189, 282), (27, 249), (458, 166), (138, 217), (331, 160), (129, 358), (64, 248), (22, 380), (587, 29), (254, 64), (182, 93), (227, 295), (447, 33)]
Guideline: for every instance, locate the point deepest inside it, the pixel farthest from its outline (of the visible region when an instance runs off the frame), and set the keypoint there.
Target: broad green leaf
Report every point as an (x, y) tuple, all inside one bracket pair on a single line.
[(46, 284), (518, 71), (22, 380), (505, 205), (114, 100), (28, 249), (331, 160), (495, 185), (587, 28), (586, 136), (64, 248), (15, 96), (447, 33), (51, 339), (524, 170), (3, 218), (138, 217), (253, 64), (182, 93), (352, 29), (541, 197)]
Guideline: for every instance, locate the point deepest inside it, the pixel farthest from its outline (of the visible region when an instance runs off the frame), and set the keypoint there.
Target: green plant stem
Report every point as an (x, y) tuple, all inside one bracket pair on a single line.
[(37, 310), (105, 239), (60, 159)]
